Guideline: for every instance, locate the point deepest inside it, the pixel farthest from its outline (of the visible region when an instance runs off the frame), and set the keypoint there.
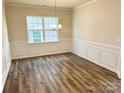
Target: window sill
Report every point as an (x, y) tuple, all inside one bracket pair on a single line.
[(43, 42)]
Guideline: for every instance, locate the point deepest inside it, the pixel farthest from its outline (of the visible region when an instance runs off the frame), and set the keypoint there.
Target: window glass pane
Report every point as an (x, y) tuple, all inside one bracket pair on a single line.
[(51, 36), (36, 36), (34, 23), (34, 27), (50, 21)]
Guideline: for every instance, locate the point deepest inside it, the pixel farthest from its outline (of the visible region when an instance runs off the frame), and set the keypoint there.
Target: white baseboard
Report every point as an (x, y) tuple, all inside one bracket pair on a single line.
[(101, 54), (119, 74), (39, 54), (4, 76)]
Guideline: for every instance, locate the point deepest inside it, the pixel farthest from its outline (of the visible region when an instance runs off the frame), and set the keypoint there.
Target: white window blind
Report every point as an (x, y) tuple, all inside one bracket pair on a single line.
[(39, 31)]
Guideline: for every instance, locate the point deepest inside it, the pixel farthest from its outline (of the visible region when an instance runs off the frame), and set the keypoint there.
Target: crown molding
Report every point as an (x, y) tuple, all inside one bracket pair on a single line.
[(35, 6), (85, 4), (49, 7)]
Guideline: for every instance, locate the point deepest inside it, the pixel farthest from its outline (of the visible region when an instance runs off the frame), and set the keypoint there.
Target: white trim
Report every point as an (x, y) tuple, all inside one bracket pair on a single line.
[(4, 52), (21, 43), (113, 52), (40, 54), (4, 76), (101, 54), (44, 42), (49, 7), (36, 6), (119, 66), (24, 49), (103, 45), (119, 74), (85, 4), (6, 58)]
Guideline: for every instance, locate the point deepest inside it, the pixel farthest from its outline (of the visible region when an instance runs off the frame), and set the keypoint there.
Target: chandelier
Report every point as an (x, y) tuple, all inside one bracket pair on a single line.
[(55, 26)]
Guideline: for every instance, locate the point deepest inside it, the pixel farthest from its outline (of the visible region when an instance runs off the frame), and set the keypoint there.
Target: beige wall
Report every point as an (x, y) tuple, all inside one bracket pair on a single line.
[(98, 21), (16, 17), (6, 58)]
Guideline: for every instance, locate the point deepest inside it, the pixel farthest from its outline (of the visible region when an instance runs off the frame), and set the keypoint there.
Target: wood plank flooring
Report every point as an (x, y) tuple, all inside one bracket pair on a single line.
[(60, 73)]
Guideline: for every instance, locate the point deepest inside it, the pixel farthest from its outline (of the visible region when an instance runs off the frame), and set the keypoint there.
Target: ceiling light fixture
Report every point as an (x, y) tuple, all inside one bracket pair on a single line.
[(55, 26)]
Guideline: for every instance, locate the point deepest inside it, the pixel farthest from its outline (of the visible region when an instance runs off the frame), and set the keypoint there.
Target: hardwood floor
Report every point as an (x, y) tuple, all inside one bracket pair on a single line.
[(60, 73)]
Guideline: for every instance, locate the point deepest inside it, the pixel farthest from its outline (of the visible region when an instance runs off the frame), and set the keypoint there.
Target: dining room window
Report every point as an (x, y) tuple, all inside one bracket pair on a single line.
[(39, 30)]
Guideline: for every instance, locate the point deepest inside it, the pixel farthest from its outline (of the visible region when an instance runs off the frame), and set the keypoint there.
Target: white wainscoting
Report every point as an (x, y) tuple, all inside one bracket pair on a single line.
[(6, 63), (24, 49), (104, 55)]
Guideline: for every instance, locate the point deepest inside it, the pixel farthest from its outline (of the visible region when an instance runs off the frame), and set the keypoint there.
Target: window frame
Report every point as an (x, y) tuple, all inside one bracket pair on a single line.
[(44, 41)]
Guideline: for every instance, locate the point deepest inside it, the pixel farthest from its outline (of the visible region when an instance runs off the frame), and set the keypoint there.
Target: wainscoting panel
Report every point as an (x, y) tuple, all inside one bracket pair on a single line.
[(93, 53), (24, 49), (104, 55), (6, 63), (109, 58)]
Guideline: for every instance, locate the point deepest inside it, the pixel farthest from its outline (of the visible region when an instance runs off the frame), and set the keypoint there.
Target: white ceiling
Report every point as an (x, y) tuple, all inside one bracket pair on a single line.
[(51, 3)]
